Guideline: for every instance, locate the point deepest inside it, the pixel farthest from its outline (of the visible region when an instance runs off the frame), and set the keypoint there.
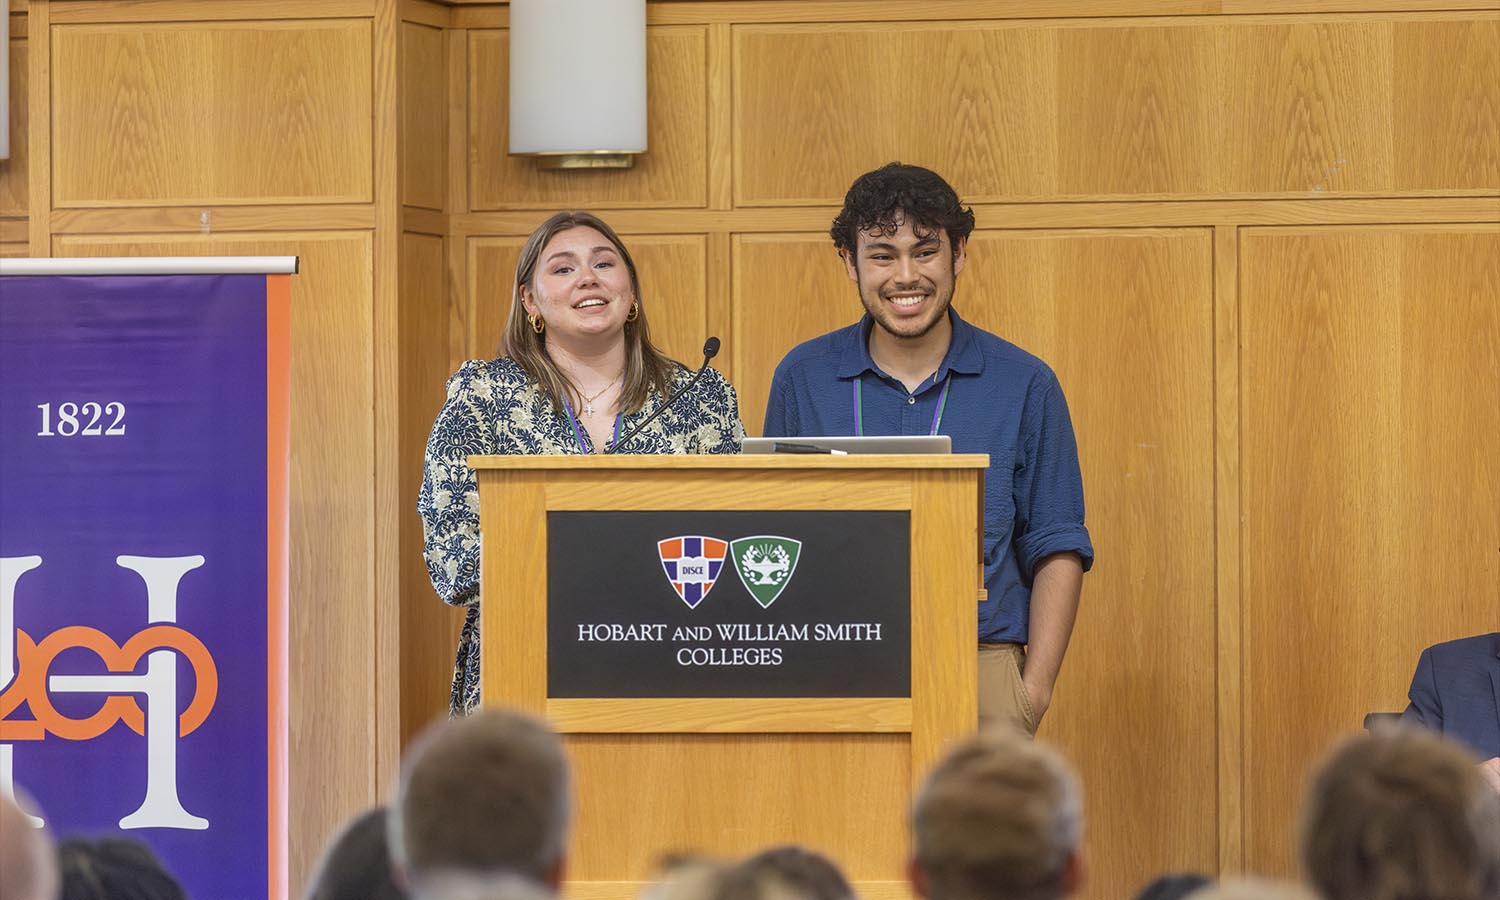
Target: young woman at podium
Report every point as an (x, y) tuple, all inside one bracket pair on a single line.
[(576, 373)]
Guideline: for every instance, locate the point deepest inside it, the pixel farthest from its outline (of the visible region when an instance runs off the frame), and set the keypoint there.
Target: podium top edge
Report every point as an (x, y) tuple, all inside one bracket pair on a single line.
[(574, 462), (152, 265)]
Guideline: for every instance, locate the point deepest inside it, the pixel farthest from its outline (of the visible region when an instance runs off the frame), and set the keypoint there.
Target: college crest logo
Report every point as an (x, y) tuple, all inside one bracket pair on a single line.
[(765, 564), (692, 564)]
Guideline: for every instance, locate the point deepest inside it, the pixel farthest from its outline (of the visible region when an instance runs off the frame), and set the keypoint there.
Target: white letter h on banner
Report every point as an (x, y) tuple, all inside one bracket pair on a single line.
[(161, 808)]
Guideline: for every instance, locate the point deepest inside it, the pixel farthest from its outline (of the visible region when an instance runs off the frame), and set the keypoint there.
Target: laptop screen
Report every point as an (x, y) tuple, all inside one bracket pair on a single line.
[(899, 443)]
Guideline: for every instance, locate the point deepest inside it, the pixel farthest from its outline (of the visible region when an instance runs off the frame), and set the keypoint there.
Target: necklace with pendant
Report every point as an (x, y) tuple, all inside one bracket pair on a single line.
[(588, 402)]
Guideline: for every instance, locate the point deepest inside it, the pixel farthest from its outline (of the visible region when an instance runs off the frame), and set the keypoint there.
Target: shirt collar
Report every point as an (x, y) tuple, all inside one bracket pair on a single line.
[(963, 356)]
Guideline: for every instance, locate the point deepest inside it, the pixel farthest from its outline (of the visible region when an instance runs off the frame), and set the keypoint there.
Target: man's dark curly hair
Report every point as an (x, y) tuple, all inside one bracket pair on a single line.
[(881, 200)]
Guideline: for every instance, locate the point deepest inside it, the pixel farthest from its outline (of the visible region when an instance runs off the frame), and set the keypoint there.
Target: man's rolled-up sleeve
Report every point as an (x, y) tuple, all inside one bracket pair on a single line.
[(1048, 483)]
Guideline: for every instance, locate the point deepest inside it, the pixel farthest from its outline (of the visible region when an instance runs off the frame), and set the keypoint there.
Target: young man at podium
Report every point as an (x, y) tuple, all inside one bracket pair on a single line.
[(911, 365)]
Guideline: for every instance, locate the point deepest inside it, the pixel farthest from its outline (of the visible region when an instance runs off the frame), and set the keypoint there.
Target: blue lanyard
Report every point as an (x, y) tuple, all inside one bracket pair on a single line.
[(578, 429), (859, 405)]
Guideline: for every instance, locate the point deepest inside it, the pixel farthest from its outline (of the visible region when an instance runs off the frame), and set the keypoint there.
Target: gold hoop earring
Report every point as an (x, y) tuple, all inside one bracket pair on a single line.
[(635, 312), (538, 324)]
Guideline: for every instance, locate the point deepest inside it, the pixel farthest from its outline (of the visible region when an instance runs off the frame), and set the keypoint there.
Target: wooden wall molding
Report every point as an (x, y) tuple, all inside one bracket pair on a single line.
[(14, 187), (38, 142), (1174, 213), (432, 100), (210, 219), (1451, 206), (391, 497), (419, 220), (140, 11), (426, 12), (486, 14)]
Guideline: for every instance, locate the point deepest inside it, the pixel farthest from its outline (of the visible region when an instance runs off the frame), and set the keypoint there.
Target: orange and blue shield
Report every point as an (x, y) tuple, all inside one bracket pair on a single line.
[(692, 564)]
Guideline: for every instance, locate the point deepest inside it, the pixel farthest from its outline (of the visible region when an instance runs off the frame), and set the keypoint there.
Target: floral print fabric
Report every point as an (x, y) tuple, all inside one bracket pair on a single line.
[(495, 408)]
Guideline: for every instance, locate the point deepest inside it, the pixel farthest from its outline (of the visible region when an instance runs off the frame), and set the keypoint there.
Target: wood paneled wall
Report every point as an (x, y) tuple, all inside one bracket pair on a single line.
[(1371, 375), (1257, 239), (1229, 231)]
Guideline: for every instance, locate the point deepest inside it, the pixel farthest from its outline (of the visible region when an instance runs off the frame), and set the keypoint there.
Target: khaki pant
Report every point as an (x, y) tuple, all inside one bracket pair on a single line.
[(1002, 695)]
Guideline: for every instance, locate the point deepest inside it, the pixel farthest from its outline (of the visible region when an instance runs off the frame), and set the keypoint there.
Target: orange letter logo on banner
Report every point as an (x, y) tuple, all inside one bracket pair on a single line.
[(25, 664)]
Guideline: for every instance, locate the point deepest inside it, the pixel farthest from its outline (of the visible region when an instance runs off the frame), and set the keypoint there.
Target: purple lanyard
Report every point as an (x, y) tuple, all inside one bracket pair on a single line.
[(578, 429), (859, 406)]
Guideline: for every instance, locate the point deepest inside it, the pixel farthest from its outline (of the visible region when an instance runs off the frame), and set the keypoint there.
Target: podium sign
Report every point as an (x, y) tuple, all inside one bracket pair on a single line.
[(702, 627), (729, 604)]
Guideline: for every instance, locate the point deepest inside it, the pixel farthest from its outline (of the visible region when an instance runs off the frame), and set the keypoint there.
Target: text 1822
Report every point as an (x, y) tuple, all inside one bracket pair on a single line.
[(89, 419)]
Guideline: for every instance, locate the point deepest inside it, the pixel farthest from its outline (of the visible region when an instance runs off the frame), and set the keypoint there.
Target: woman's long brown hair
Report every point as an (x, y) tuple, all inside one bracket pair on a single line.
[(647, 370)]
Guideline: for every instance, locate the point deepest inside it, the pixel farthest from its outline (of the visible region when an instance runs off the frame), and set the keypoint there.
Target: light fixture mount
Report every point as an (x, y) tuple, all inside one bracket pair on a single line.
[(593, 159)]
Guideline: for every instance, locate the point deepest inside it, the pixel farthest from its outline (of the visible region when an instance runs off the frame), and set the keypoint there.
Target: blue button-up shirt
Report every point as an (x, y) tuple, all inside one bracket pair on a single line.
[(1002, 401)]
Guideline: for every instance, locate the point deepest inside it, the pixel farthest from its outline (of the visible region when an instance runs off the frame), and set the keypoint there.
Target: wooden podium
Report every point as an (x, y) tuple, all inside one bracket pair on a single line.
[(731, 775)]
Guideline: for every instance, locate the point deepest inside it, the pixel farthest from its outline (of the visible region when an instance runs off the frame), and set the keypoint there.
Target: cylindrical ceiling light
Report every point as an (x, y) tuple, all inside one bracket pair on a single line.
[(578, 82)]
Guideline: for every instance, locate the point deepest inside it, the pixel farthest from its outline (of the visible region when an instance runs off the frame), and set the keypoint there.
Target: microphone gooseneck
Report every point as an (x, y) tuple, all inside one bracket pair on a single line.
[(710, 350)]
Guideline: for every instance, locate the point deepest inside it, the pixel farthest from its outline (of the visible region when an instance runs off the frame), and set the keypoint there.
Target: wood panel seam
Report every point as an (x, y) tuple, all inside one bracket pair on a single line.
[(385, 327), (1229, 623), (39, 125)]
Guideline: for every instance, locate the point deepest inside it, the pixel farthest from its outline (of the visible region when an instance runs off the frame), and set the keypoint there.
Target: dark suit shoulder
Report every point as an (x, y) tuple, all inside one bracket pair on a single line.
[(1479, 646)]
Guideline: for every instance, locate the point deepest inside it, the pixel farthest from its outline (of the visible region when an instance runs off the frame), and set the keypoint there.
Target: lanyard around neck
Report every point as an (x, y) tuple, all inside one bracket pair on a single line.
[(578, 429), (859, 405)]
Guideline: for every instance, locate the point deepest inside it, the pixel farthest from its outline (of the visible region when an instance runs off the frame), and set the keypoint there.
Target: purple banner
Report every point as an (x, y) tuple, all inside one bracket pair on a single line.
[(142, 566)]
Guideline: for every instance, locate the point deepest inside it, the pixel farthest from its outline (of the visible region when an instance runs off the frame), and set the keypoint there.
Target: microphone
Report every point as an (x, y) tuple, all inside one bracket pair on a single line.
[(710, 350)]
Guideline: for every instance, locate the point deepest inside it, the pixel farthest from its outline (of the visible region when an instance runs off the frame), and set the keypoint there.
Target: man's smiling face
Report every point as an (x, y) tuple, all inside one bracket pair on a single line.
[(905, 278)]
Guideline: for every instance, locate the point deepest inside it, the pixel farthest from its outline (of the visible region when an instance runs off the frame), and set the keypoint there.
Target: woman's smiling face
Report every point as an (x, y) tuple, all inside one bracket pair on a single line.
[(581, 288)]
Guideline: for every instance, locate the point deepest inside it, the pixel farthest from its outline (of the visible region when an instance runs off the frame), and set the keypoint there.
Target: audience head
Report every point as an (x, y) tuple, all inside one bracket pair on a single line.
[(114, 869), (1401, 815), (463, 886), (784, 873), (685, 876), (483, 795), (1000, 818), (357, 865), (28, 869), (1174, 887), (1252, 889)]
